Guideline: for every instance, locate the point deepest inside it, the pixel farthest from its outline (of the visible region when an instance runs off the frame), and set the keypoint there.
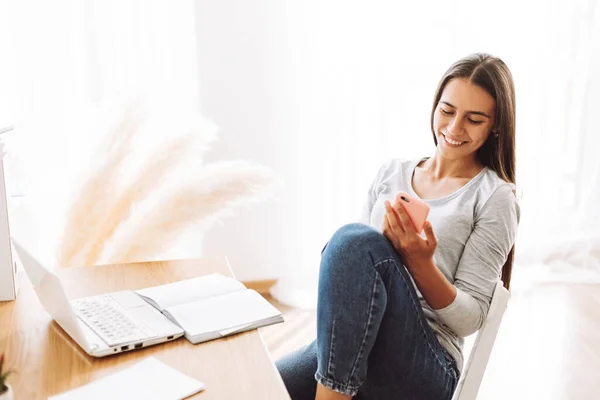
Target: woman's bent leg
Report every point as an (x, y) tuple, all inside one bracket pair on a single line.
[(373, 340), (298, 372), (371, 329)]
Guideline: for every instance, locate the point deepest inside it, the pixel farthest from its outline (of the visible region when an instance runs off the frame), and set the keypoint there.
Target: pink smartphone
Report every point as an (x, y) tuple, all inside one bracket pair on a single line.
[(416, 209)]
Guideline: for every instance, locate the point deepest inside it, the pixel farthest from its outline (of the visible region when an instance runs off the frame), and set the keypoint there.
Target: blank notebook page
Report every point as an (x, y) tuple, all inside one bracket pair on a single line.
[(217, 313), (189, 290), (148, 379)]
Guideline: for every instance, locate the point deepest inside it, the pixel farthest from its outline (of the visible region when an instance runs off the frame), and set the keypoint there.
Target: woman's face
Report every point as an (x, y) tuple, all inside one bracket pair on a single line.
[(463, 118)]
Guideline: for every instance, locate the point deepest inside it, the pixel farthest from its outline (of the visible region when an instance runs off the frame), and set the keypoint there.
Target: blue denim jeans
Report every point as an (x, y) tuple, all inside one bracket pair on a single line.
[(373, 341)]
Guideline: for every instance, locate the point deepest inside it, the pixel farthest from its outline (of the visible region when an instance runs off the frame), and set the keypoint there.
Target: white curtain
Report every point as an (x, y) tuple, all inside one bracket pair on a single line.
[(65, 63), (360, 79)]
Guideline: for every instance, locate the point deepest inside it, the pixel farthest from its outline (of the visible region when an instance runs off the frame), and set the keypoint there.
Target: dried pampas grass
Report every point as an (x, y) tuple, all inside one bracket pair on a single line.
[(199, 201), (115, 219), (87, 208)]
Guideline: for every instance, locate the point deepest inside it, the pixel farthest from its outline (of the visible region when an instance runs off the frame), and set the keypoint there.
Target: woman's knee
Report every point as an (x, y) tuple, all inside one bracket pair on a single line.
[(355, 236), (352, 239), (351, 245)]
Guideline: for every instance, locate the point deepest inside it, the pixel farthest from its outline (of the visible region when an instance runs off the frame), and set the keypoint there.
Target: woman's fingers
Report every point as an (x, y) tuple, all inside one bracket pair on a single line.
[(429, 234), (388, 232), (404, 218), (393, 218), (386, 225)]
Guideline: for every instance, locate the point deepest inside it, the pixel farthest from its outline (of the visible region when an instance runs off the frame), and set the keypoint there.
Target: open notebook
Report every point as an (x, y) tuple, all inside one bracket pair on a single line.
[(211, 306)]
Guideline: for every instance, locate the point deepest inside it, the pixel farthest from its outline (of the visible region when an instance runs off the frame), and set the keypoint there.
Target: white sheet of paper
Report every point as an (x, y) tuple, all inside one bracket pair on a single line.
[(224, 314), (148, 379)]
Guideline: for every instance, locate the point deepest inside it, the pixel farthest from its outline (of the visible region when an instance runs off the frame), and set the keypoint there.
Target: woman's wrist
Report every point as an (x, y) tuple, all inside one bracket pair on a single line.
[(437, 291), (421, 268)]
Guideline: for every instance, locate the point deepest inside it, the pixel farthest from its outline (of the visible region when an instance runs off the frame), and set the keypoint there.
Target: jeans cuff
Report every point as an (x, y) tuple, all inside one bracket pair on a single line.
[(348, 390)]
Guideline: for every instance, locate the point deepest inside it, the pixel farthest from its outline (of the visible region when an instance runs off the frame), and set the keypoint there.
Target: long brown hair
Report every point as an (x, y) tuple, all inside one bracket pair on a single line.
[(498, 152)]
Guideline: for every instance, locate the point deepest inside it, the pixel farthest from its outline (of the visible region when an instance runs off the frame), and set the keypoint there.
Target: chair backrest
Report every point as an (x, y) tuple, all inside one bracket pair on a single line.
[(474, 368)]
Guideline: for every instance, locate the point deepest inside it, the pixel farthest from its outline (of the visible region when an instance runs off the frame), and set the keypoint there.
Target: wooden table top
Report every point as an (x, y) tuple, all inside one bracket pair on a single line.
[(48, 362)]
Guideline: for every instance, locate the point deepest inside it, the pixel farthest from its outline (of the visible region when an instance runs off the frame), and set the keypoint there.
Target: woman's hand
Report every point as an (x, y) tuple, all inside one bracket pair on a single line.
[(399, 230)]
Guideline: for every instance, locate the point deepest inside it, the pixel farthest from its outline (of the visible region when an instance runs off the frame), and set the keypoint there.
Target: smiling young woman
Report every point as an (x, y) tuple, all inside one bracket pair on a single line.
[(398, 304)]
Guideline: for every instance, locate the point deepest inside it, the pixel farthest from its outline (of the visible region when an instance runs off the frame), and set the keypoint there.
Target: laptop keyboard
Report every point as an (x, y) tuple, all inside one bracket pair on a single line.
[(109, 320)]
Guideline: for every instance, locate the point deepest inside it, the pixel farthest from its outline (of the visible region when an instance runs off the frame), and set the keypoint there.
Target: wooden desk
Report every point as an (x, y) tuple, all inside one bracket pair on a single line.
[(48, 362)]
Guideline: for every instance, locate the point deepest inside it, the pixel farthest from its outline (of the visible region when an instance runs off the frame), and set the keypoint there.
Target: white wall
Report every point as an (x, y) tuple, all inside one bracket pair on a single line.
[(240, 71), (287, 98)]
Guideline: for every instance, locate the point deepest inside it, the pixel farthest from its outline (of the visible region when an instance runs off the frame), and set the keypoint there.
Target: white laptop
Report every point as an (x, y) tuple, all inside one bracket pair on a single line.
[(101, 325)]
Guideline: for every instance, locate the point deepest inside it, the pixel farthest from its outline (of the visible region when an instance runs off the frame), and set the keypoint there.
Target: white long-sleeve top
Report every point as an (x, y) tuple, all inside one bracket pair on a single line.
[(475, 226)]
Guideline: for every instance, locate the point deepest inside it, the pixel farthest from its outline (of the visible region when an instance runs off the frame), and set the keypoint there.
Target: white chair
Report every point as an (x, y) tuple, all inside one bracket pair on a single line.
[(474, 368)]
